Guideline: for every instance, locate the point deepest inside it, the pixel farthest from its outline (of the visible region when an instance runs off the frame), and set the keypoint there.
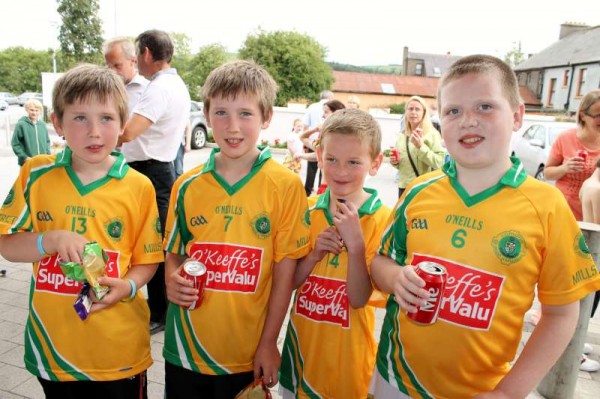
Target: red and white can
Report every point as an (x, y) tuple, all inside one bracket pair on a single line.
[(394, 153), (582, 154), (195, 271), (435, 276)]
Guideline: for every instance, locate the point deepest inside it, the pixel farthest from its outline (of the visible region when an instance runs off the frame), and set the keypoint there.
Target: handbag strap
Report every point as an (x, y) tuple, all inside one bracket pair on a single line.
[(412, 163)]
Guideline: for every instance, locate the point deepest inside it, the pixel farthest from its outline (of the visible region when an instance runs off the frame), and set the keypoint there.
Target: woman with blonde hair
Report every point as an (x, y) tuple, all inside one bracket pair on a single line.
[(419, 148)]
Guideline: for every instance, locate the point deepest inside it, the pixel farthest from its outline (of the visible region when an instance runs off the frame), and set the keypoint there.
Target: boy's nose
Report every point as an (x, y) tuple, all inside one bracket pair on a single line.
[(468, 119)]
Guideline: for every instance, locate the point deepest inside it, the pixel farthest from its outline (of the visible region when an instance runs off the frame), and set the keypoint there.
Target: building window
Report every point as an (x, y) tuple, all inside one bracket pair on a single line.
[(388, 88), (419, 69), (551, 92), (581, 81), (437, 72), (566, 78)]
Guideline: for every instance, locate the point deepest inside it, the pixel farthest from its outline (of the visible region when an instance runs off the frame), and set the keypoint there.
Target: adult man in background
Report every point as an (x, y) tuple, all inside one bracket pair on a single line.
[(313, 117), (152, 137), (119, 55)]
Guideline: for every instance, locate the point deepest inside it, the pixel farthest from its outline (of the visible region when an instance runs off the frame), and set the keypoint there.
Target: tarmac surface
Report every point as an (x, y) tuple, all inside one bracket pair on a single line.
[(17, 382)]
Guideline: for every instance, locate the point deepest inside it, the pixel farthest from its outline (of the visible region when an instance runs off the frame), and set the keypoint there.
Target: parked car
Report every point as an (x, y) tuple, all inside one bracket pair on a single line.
[(198, 124), (3, 104), (27, 95), (532, 144), (10, 98)]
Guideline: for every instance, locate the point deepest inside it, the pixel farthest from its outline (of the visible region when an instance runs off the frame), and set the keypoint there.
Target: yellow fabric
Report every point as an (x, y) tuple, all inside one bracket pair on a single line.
[(121, 215), (496, 247), (329, 348), (239, 233)]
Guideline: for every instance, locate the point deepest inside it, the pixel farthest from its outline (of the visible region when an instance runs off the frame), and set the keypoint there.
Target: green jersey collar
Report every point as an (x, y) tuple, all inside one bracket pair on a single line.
[(369, 207), (209, 166), (118, 170), (514, 177)]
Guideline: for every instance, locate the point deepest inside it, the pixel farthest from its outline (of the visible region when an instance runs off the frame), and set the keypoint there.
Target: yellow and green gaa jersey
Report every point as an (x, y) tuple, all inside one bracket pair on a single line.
[(119, 212), (329, 349), (496, 246), (239, 232)]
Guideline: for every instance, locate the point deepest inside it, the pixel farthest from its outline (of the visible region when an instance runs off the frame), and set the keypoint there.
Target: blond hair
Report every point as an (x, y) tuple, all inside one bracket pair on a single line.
[(86, 82), (241, 77), (425, 123), (586, 103), (33, 103), (480, 64), (357, 123)]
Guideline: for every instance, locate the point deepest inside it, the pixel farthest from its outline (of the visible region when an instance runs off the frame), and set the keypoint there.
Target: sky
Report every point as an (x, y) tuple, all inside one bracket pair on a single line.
[(358, 32)]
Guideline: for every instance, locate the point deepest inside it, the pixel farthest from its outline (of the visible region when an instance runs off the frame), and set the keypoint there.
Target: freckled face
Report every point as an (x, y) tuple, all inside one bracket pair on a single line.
[(478, 120)]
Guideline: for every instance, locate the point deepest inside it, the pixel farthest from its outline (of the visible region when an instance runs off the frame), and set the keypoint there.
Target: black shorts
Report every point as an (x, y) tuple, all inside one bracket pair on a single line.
[(181, 383), (129, 388)]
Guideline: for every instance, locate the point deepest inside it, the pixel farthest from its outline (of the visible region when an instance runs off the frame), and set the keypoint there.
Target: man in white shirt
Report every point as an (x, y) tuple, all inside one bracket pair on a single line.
[(119, 55), (152, 137), (313, 117)]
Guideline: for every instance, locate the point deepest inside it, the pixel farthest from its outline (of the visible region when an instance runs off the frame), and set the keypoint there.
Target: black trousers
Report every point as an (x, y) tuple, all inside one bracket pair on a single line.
[(181, 383), (311, 173), (162, 176), (128, 388)]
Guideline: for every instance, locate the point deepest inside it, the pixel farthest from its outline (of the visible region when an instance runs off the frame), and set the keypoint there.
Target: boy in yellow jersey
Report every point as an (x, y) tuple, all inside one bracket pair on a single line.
[(329, 348), (57, 205), (498, 232), (243, 215)]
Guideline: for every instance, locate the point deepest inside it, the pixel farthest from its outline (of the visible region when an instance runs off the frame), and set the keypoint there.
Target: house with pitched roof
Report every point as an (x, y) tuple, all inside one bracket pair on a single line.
[(425, 64), (379, 91), (561, 74)]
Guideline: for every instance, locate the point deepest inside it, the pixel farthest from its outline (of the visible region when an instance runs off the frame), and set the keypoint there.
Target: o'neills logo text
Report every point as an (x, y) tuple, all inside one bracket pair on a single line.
[(50, 277), (229, 267), (324, 300), (470, 296)]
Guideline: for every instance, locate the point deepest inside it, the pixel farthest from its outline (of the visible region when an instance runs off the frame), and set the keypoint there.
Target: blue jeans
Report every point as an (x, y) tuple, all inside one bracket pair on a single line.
[(178, 162)]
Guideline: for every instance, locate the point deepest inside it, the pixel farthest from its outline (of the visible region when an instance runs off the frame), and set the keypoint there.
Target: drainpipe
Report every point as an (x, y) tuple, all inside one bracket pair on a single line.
[(568, 103)]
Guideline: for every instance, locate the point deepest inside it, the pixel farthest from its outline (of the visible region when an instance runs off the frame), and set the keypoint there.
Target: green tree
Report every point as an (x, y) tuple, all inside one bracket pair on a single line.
[(80, 35), (208, 58), (21, 68), (515, 56), (296, 62)]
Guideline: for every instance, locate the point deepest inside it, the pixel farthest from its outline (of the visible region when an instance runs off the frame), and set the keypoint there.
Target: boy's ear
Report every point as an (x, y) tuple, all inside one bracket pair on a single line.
[(319, 151), (376, 164), (267, 121), (518, 117), (56, 124)]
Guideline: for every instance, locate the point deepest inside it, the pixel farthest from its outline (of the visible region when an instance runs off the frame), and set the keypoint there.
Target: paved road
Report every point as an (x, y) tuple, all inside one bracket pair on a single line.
[(16, 382)]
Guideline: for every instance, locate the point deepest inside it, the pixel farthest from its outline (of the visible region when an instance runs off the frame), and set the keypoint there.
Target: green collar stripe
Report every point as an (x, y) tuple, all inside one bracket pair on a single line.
[(209, 166), (514, 177), (369, 207)]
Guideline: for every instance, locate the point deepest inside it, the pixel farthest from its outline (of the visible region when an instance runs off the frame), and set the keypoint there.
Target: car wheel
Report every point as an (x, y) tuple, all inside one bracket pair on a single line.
[(198, 137), (540, 173)]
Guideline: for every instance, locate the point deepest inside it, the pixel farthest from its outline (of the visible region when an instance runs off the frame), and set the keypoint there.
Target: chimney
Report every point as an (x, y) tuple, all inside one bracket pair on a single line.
[(571, 27)]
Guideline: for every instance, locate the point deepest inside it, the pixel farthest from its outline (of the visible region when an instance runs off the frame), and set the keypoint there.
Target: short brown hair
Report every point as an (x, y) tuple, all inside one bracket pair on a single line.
[(241, 77), (87, 81), (479, 64), (354, 122)]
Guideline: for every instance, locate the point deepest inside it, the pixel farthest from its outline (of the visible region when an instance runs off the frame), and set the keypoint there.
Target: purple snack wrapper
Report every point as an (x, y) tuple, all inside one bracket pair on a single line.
[(83, 303)]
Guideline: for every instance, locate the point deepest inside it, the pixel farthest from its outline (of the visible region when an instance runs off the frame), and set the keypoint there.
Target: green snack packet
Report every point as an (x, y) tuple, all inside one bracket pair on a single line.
[(94, 266), (72, 270)]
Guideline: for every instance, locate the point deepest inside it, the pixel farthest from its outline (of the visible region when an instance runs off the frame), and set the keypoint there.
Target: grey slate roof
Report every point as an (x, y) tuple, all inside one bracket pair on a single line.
[(581, 47), (442, 61)]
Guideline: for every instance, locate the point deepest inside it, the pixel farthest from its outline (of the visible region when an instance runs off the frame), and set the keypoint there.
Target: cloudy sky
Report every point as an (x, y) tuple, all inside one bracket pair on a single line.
[(359, 32)]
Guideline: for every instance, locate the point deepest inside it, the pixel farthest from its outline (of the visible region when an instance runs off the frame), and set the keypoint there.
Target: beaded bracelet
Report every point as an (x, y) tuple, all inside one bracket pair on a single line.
[(40, 247)]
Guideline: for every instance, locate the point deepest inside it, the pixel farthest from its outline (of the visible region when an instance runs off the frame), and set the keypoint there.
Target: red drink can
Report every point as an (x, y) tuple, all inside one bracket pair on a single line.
[(434, 275), (195, 271), (582, 154), (394, 153)]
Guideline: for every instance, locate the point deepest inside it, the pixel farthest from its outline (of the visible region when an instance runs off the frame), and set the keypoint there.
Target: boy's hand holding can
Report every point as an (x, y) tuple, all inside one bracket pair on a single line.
[(180, 290)]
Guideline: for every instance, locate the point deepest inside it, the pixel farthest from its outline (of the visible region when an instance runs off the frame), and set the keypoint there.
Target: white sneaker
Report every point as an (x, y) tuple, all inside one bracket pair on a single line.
[(587, 348), (588, 364)]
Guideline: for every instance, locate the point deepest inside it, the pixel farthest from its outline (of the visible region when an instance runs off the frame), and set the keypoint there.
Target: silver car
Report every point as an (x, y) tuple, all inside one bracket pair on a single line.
[(532, 144), (27, 95), (8, 97), (3, 104), (198, 124)]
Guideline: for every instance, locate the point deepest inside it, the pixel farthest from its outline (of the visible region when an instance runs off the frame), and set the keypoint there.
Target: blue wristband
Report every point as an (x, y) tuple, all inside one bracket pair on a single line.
[(40, 247), (133, 286)]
